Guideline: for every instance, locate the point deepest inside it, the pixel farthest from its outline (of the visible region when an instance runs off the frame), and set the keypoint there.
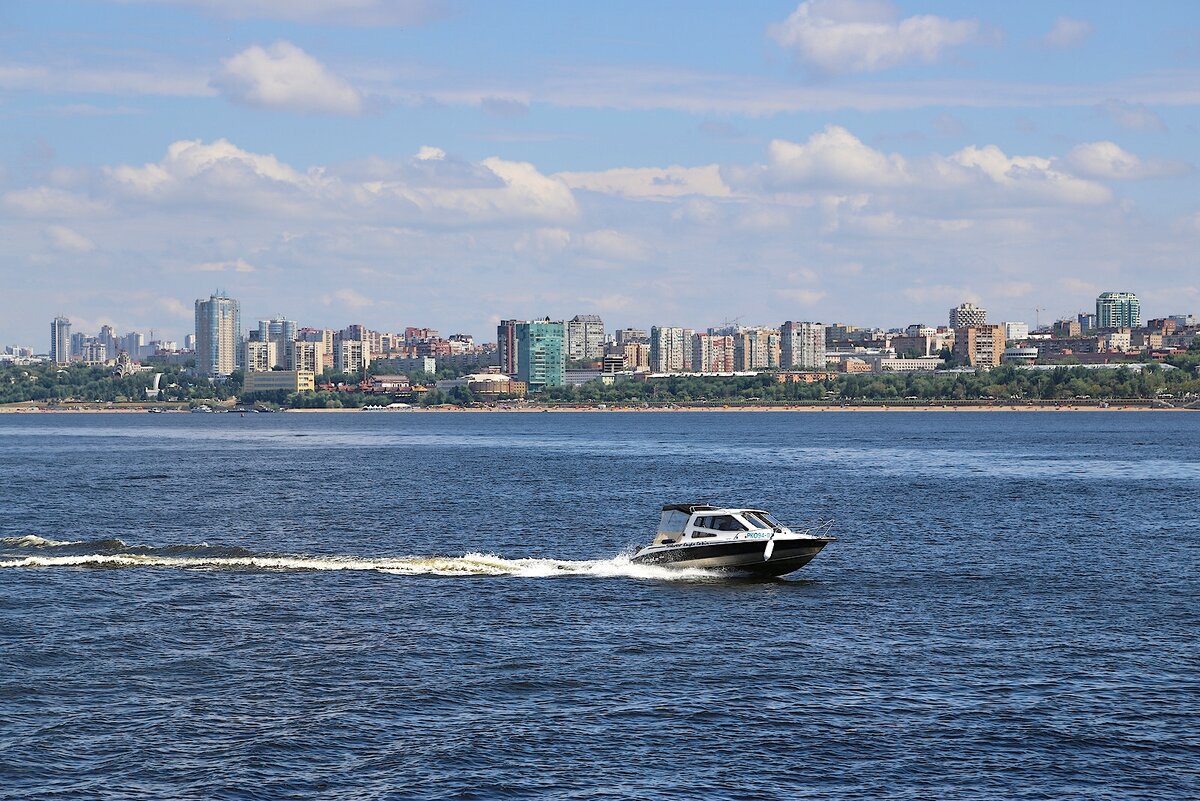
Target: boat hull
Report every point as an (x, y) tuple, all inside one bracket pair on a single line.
[(744, 558)]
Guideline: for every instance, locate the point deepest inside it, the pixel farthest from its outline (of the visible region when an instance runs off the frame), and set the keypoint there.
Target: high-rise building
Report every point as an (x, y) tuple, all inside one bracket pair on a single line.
[(712, 353), (132, 343), (108, 337), (979, 345), (260, 356), (541, 354), (351, 356), (755, 349), (189, 341), (506, 346), (669, 346), (633, 335), (305, 356), (1087, 321), (585, 337), (60, 340), (966, 315), (218, 336), (802, 346), (1118, 310)]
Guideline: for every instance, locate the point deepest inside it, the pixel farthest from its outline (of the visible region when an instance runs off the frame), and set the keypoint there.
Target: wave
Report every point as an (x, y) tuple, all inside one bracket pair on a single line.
[(470, 564), (34, 541)]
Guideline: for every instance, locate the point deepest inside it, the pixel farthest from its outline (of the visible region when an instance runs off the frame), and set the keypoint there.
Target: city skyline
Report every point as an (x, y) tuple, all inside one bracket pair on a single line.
[(427, 162)]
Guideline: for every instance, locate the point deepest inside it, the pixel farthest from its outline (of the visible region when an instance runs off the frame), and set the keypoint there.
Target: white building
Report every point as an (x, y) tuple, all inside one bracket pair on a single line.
[(1016, 330), (585, 338), (802, 346), (967, 315)]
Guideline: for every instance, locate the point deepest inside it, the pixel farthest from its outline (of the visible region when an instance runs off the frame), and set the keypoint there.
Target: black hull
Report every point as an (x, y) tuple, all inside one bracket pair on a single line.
[(740, 558)]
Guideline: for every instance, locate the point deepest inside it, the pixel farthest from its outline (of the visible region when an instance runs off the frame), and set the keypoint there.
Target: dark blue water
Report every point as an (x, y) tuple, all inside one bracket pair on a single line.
[(438, 606)]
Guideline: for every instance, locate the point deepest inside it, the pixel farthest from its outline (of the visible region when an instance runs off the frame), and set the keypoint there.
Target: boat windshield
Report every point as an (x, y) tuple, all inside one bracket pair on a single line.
[(762, 520)]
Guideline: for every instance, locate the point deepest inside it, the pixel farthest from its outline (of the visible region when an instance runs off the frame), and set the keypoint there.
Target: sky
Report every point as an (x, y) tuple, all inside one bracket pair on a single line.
[(449, 163)]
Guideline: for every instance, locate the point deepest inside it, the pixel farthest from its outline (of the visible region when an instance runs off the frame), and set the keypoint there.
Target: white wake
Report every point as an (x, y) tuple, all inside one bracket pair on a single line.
[(471, 564)]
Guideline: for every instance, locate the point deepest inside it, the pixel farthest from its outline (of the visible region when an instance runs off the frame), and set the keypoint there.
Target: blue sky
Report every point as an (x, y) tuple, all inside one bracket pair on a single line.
[(452, 163)]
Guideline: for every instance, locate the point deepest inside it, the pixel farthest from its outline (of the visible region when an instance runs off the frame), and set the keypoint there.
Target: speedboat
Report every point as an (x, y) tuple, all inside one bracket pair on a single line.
[(748, 541)]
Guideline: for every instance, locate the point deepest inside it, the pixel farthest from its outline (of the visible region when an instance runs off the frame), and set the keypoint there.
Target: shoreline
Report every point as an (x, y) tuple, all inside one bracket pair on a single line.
[(1132, 406)]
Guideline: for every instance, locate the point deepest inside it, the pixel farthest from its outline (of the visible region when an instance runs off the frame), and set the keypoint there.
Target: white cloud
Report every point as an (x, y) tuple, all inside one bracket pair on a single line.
[(614, 246), (327, 12), (1109, 160), (234, 265), (543, 241), (50, 203), (1134, 116), (866, 36), (1012, 289), (66, 239), (166, 80), (1022, 180), (176, 308), (430, 187), (650, 182), (940, 293), (805, 297), (1067, 33), (282, 76), (833, 157), (348, 298)]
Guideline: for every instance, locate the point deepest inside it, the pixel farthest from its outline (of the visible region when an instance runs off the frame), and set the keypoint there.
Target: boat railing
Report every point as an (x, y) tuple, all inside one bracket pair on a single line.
[(821, 529)]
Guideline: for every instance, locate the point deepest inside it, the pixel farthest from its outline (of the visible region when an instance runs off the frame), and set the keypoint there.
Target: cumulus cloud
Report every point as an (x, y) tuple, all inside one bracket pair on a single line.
[(282, 76), (429, 187), (651, 182), (1110, 160), (838, 36), (1067, 33), (833, 157), (328, 12), (1134, 116), (68, 240), (1016, 179)]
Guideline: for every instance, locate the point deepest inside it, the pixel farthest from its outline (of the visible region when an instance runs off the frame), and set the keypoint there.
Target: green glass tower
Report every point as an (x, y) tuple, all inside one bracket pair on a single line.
[(541, 356)]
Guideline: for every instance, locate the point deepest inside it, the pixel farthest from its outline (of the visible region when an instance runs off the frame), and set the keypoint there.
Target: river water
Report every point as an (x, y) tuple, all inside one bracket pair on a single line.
[(441, 606)]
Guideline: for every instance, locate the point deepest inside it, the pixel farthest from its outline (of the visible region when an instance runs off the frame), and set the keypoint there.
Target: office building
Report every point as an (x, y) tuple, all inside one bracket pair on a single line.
[(585, 337), (276, 380), (802, 346), (966, 315), (1016, 330), (60, 340), (1118, 310), (218, 336), (541, 354)]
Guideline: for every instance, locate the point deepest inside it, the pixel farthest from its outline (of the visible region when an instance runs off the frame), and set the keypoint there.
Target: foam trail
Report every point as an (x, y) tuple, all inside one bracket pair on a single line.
[(471, 564), (34, 541)]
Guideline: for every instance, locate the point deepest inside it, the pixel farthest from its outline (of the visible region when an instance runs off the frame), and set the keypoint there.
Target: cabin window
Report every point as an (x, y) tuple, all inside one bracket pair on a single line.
[(699, 535), (727, 523)]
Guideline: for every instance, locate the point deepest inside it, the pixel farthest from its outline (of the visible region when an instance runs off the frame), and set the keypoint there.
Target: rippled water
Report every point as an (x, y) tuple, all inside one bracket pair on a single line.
[(442, 606)]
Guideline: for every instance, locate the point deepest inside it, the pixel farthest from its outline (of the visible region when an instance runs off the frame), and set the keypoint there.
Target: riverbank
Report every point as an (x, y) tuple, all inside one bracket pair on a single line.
[(1128, 406)]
